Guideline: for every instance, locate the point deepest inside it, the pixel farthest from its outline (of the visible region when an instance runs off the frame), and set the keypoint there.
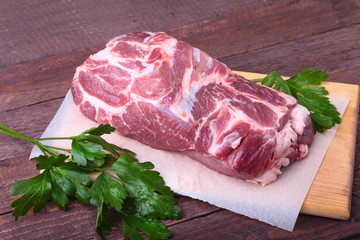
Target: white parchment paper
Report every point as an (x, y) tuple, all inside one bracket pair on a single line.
[(277, 204)]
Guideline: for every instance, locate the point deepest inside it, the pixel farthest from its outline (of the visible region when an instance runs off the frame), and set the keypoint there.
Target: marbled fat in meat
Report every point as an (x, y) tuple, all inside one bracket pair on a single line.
[(172, 96)]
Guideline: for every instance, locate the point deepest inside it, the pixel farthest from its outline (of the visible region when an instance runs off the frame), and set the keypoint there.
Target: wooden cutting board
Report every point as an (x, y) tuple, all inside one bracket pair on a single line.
[(330, 193)]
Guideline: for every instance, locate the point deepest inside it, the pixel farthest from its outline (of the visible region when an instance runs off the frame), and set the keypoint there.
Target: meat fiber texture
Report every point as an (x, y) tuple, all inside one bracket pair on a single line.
[(171, 96)]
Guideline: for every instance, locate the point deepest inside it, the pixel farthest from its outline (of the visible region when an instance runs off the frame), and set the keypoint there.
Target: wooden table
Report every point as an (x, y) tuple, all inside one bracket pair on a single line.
[(43, 41)]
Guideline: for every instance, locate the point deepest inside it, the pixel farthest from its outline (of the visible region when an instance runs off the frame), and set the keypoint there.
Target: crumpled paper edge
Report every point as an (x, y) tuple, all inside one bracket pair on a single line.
[(277, 204)]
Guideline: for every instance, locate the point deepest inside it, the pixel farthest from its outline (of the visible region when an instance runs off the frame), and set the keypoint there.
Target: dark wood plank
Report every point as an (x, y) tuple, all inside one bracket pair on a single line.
[(14, 154), (11, 169), (271, 23), (346, 76), (77, 222), (39, 80), (78, 219), (74, 25), (335, 51), (259, 36), (245, 25), (30, 121)]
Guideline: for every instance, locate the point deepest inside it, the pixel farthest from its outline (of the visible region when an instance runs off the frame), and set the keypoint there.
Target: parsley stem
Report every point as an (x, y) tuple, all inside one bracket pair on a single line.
[(46, 149), (103, 170), (98, 217), (10, 132), (61, 149), (116, 178), (55, 138)]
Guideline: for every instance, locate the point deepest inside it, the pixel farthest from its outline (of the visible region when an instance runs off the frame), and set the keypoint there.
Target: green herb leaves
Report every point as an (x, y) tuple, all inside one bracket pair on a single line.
[(107, 189), (150, 197), (304, 87), (36, 193), (82, 151), (59, 181), (153, 228), (124, 186)]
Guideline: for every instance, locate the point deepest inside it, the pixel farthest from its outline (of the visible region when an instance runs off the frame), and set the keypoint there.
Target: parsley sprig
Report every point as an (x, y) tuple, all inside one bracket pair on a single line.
[(135, 192), (304, 86)]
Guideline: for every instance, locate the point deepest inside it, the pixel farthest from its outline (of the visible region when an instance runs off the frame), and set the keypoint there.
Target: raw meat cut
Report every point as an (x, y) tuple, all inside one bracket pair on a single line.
[(172, 96)]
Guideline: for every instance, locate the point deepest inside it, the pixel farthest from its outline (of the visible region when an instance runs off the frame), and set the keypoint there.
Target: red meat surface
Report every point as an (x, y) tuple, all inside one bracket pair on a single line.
[(172, 96)]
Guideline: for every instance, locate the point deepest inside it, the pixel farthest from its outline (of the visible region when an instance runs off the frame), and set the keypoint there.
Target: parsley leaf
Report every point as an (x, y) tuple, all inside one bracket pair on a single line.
[(36, 193), (304, 87), (137, 193), (276, 81), (151, 197), (100, 130), (153, 228), (58, 181), (107, 189), (78, 178), (90, 146), (86, 150), (61, 189)]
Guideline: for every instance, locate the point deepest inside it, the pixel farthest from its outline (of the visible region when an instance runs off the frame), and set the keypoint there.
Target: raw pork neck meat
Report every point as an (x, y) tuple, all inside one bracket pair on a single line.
[(172, 96)]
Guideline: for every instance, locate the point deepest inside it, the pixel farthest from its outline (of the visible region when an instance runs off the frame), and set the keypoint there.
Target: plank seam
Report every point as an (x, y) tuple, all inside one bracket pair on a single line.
[(290, 41)]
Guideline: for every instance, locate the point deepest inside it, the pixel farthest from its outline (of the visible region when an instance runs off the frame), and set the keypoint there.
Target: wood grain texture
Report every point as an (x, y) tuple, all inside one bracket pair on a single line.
[(315, 51), (74, 25), (246, 24), (38, 59), (273, 23), (50, 77), (330, 193), (40, 80)]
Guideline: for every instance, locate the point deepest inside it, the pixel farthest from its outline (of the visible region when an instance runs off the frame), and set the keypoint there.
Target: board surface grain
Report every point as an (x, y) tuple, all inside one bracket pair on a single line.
[(330, 193)]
